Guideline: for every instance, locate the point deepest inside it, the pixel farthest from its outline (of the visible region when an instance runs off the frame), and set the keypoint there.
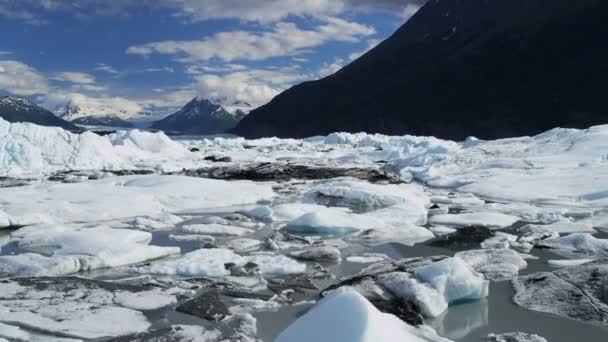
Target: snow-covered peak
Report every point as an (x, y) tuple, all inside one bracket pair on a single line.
[(17, 103), (81, 107)]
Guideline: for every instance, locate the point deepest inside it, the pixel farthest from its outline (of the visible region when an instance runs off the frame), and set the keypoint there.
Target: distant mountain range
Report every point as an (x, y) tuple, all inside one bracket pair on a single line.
[(15, 109), (457, 68), (203, 116)]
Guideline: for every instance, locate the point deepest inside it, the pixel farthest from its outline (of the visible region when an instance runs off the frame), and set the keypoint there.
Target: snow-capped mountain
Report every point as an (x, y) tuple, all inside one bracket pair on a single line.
[(16, 109), (100, 112), (204, 116)]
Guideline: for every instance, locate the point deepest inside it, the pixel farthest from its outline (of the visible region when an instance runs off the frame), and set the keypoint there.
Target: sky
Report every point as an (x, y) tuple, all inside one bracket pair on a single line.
[(156, 55)]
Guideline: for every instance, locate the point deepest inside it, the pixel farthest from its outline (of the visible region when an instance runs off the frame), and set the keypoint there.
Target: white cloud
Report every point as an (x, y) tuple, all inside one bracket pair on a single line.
[(263, 11), (106, 68), (20, 79), (372, 43), (284, 39), (159, 69), (5, 53), (331, 68), (74, 77)]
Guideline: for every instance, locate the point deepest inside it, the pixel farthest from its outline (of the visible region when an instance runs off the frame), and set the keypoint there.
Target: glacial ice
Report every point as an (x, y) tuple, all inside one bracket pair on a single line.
[(345, 315)]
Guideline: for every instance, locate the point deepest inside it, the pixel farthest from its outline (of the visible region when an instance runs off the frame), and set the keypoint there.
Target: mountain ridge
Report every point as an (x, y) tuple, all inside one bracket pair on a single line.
[(491, 69)]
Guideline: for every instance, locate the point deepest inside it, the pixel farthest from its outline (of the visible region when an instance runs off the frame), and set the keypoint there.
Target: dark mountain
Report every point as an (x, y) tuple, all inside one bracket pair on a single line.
[(487, 68), (202, 116), (15, 109)]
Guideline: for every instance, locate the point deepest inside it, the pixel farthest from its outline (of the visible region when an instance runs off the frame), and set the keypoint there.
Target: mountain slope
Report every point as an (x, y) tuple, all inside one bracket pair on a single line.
[(91, 114), (202, 116), (14, 109), (457, 68)]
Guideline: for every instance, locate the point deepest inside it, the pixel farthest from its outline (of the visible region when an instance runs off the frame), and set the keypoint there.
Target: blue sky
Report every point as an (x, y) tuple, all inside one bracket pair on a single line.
[(155, 55)]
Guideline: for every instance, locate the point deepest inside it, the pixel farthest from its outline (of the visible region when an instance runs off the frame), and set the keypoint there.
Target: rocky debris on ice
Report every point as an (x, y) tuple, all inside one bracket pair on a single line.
[(515, 337), (577, 292), (292, 287), (347, 308), (123, 197), (87, 247), (484, 219), (578, 244), (495, 264), (322, 253), (77, 307), (464, 238), (213, 263), (363, 196), (281, 171)]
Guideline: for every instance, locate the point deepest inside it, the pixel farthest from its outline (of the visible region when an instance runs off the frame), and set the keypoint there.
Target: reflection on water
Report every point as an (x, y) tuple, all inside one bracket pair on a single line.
[(461, 320)]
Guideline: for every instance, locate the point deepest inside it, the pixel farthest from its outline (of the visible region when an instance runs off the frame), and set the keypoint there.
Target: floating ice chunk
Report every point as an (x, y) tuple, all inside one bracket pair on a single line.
[(212, 263), (454, 279), (214, 219), (94, 247), (70, 307), (243, 244), (331, 222), (216, 229), (14, 333), (291, 211), (560, 227), (568, 262), (442, 230), (165, 221), (367, 258), (458, 199), (197, 238), (366, 196), (403, 286), (246, 305), (345, 315), (263, 213), (578, 243), (499, 240), (276, 264), (36, 265), (324, 253), (485, 219), (494, 264), (146, 301)]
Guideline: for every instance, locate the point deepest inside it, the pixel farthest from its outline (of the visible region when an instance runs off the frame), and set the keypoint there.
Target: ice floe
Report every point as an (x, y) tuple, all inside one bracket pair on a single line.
[(345, 315), (76, 307), (485, 219), (494, 264), (94, 247), (122, 197), (212, 263)]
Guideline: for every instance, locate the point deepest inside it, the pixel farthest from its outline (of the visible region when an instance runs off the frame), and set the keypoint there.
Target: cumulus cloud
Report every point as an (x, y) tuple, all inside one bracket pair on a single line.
[(285, 38), (20, 79), (32, 11), (74, 77), (107, 69)]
